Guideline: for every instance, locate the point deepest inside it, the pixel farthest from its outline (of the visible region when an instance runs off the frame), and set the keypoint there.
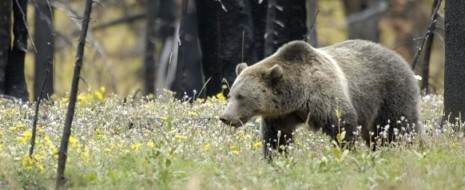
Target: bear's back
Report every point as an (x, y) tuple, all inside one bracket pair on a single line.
[(376, 75)]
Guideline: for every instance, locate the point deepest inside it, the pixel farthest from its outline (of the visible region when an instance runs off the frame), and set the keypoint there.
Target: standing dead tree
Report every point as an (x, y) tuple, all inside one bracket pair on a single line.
[(286, 21), (180, 69), (63, 151), (15, 82), (150, 37), (44, 38), (454, 79)]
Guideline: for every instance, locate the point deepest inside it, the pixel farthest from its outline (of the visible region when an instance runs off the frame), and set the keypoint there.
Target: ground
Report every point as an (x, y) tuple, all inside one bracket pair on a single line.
[(122, 143)]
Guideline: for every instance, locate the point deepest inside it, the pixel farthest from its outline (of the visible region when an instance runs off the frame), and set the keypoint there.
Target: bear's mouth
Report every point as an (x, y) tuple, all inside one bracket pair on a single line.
[(235, 123)]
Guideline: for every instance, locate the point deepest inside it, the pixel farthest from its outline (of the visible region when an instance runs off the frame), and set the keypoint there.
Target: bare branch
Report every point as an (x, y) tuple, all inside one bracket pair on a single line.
[(428, 33)]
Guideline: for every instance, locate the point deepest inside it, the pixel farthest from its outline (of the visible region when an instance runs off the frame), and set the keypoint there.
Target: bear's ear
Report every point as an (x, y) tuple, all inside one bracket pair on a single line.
[(274, 72), (240, 67)]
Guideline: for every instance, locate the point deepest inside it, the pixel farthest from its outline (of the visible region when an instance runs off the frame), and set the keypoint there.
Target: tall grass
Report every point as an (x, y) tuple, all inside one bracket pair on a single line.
[(163, 143)]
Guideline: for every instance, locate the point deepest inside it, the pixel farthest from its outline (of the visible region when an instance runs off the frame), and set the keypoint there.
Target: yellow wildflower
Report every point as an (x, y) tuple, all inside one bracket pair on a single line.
[(151, 145), (164, 118), (99, 95), (191, 113), (258, 144), (135, 146), (207, 146), (64, 100), (27, 162), (235, 152), (221, 97), (181, 137), (72, 141), (25, 137), (1, 132)]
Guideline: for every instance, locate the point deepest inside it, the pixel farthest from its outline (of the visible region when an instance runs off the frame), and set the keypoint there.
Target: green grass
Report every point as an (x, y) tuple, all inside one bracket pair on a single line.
[(166, 144)]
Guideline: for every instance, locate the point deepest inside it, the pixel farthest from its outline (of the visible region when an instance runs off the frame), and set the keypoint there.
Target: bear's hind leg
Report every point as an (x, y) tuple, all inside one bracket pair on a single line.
[(277, 133)]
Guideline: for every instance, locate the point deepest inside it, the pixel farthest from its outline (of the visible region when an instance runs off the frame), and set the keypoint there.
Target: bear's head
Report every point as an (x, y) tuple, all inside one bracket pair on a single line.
[(248, 94), (269, 87)]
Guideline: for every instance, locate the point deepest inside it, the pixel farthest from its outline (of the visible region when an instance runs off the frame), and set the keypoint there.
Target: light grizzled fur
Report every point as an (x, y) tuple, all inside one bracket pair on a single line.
[(370, 84)]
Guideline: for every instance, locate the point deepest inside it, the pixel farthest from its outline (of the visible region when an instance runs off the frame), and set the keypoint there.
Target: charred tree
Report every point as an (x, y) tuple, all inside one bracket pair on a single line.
[(454, 78), (150, 39), (286, 21), (166, 14), (259, 12), (429, 44), (223, 27), (362, 18), (15, 80), (5, 40), (44, 36), (63, 151), (311, 20), (407, 20), (191, 73)]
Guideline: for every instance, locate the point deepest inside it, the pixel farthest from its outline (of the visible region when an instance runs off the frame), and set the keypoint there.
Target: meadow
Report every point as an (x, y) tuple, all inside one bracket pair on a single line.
[(163, 143)]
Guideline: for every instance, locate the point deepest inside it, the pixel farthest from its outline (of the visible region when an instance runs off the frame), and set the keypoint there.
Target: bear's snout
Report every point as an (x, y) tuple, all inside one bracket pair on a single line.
[(229, 120)]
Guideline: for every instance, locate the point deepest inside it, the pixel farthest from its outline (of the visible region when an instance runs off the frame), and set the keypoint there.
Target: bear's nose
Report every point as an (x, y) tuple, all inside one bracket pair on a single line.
[(224, 120)]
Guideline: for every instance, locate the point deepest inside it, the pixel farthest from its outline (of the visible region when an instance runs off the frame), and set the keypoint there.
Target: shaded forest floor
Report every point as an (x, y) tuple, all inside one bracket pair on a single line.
[(165, 144)]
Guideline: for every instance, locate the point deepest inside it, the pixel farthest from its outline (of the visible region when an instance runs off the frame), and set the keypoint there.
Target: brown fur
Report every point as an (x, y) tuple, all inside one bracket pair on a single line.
[(370, 84)]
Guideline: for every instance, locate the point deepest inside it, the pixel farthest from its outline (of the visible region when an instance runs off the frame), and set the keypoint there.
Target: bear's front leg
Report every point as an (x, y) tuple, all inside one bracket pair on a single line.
[(277, 133)]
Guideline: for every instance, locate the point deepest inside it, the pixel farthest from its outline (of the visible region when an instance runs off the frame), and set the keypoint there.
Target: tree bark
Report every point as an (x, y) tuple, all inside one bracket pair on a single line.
[(191, 75), (312, 14), (44, 40), (363, 17), (15, 79), (454, 77), (150, 39), (408, 20), (5, 40), (286, 21), (223, 26), (63, 151), (259, 12), (429, 44)]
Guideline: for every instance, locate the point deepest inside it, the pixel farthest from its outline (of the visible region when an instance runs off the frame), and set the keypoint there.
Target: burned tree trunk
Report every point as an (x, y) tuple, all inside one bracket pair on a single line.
[(63, 151), (454, 78), (44, 40), (259, 12), (5, 40), (15, 80), (285, 22), (226, 39), (150, 37), (311, 20), (362, 18), (190, 75)]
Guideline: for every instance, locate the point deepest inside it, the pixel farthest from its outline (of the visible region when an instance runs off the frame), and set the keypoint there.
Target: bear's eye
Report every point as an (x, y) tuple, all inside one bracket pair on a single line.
[(240, 97)]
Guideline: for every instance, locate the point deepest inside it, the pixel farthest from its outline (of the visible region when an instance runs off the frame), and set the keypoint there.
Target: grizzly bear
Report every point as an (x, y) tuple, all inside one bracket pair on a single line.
[(334, 88)]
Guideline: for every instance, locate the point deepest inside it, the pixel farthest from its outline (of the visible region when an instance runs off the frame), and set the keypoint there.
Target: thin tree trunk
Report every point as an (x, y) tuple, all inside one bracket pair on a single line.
[(180, 68), (5, 40), (363, 17), (428, 46), (454, 77), (259, 12), (15, 79), (150, 38), (44, 36), (312, 14), (63, 151), (191, 74), (286, 21), (223, 26)]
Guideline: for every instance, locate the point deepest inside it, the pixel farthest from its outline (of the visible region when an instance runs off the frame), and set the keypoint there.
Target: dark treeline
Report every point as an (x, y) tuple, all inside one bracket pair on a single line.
[(192, 47)]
